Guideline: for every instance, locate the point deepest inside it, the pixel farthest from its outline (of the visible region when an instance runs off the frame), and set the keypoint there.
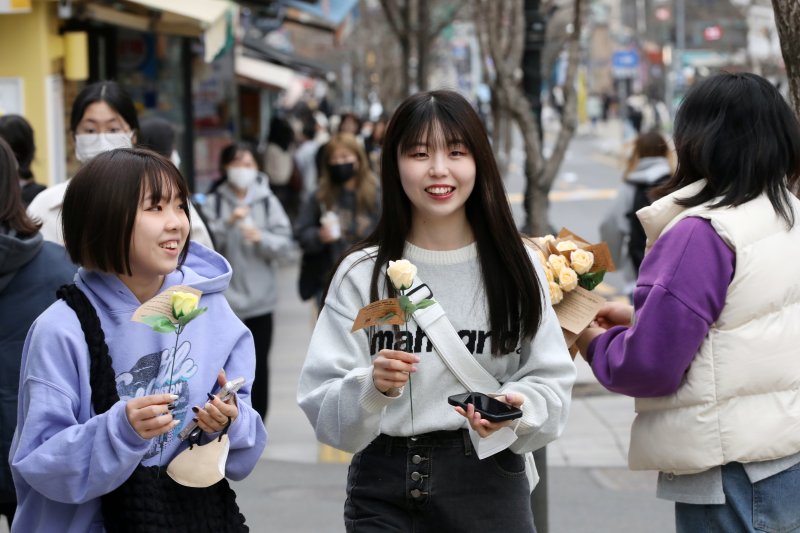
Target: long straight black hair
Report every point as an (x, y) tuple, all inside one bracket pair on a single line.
[(513, 292), (737, 132)]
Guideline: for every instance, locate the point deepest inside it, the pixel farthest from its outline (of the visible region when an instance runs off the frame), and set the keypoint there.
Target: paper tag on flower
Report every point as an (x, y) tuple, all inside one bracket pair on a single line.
[(161, 304), (578, 309), (379, 313)]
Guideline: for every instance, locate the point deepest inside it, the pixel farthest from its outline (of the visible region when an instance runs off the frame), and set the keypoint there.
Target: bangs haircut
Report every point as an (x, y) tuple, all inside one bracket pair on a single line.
[(438, 119), (737, 132), (103, 199)]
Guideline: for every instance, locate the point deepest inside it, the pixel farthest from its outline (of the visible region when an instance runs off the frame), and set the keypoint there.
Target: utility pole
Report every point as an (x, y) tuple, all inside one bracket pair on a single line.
[(535, 28)]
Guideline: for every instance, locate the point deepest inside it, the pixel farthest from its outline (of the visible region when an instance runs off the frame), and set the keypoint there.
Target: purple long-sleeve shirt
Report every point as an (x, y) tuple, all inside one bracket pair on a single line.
[(680, 292)]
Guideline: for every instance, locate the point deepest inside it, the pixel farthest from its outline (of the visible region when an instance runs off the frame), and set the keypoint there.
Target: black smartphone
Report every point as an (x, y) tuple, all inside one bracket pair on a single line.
[(489, 408)]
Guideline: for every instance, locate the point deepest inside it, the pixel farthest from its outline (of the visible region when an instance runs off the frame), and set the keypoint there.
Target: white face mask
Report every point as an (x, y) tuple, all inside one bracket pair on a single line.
[(242, 177), (90, 145), (175, 157)]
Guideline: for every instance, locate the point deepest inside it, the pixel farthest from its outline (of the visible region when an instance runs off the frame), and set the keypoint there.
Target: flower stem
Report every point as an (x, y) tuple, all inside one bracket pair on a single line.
[(410, 390), (163, 437)]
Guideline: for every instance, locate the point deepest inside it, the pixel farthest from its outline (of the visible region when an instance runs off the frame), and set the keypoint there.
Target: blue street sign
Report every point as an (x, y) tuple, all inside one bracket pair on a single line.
[(625, 64)]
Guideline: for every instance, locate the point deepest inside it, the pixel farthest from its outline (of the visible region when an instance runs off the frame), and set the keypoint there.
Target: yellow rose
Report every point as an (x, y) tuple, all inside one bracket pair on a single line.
[(557, 262), (183, 303), (548, 272), (548, 237), (556, 295), (567, 279), (401, 273), (566, 246), (582, 261)]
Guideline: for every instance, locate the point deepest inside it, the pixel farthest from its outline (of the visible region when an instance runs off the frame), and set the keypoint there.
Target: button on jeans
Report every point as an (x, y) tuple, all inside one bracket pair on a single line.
[(435, 483), (771, 505)]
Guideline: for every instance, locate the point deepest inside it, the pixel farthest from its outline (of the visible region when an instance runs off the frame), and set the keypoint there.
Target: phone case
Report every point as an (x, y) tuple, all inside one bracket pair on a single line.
[(489, 408)]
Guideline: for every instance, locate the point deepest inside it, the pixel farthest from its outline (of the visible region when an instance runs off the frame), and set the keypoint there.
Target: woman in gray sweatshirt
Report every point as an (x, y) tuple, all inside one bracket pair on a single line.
[(383, 392)]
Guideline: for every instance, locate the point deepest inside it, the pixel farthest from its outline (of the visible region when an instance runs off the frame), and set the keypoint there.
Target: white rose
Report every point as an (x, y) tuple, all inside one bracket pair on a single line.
[(566, 246), (567, 279), (557, 262), (401, 273), (548, 237), (556, 295), (582, 261)]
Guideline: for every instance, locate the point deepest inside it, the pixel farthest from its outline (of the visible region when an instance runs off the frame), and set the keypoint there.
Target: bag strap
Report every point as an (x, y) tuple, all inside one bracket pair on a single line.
[(448, 344), (101, 373)]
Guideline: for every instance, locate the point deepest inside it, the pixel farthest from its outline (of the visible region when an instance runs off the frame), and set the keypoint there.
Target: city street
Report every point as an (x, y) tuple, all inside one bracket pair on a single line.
[(296, 489)]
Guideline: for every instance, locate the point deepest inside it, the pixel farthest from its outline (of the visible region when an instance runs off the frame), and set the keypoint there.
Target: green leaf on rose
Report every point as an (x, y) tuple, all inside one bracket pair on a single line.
[(406, 305), (425, 303), (185, 319), (159, 323), (590, 280)]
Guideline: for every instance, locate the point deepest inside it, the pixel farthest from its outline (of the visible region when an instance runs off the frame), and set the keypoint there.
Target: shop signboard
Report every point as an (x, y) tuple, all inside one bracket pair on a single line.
[(625, 64)]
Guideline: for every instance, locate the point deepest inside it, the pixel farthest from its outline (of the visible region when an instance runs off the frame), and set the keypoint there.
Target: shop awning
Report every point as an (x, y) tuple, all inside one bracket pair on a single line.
[(264, 72), (190, 18), (257, 47)]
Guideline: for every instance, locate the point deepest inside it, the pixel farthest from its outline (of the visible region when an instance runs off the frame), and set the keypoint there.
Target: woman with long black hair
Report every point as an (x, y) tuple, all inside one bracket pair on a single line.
[(417, 464)]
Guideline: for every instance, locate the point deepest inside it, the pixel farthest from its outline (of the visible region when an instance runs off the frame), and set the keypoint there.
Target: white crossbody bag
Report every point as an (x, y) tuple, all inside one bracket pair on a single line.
[(454, 354)]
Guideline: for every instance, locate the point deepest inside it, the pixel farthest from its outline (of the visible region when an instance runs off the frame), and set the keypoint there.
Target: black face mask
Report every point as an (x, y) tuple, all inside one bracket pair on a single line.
[(341, 173)]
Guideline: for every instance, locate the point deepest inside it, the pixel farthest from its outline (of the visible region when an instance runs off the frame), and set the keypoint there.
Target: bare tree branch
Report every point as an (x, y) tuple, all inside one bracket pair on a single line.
[(390, 8), (569, 120), (787, 18), (434, 32)]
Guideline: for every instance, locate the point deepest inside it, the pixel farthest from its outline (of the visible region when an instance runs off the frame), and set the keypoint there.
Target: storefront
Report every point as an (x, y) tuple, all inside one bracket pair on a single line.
[(175, 59)]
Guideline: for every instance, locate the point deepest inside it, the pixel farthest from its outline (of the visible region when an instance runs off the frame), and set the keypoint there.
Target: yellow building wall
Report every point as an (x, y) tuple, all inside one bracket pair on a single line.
[(33, 50)]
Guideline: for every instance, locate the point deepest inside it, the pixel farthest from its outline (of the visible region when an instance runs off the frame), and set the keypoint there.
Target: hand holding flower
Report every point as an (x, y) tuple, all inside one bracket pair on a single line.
[(614, 314), (391, 369), (150, 415)]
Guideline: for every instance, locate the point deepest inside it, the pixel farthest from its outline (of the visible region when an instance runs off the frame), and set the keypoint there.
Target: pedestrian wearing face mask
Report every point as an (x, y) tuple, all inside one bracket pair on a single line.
[(103, 118), (251, 230), (342, 211)]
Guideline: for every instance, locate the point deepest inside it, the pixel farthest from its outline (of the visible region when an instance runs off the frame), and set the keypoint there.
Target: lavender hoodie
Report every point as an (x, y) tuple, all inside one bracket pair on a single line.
[(680, 292), (64, 457)]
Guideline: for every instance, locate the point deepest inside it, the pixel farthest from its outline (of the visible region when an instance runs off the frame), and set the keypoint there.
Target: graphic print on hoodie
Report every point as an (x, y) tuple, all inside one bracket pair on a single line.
[(154, 373)]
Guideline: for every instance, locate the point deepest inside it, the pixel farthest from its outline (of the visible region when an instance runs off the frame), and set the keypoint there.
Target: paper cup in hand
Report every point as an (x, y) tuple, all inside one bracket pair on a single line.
[(331, 221)]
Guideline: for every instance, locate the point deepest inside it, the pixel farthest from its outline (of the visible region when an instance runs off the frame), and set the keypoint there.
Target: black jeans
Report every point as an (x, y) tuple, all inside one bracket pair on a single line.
[(436, 484), (261, 328)]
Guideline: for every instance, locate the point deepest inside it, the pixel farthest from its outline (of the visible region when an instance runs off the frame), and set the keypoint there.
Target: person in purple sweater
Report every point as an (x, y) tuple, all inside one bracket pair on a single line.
[(710, 347)]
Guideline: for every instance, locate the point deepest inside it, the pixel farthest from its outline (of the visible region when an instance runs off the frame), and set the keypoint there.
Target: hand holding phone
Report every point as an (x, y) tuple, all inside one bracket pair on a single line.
[(489, 408), (224, 394)]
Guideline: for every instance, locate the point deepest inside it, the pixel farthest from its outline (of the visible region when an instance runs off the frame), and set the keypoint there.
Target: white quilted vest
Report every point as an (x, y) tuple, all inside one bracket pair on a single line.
[(740, 398)]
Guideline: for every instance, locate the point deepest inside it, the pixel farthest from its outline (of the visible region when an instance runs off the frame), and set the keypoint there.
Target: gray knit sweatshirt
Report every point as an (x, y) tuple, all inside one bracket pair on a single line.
[(347, 411)]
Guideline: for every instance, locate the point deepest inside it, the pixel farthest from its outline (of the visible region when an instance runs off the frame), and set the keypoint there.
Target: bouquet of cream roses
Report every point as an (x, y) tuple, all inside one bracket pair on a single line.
[(567, 267), (573, 268)]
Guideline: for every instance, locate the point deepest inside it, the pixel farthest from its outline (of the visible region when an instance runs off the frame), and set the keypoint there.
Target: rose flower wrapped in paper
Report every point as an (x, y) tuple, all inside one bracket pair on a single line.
[(573, 267)]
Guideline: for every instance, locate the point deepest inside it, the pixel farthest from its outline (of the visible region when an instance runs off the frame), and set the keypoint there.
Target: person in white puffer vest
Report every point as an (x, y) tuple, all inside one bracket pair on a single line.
[(711, 348)]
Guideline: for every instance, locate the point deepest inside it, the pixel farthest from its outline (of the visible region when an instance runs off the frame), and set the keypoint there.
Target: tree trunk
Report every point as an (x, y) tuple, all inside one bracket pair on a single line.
[(787, 18), (423, 45)]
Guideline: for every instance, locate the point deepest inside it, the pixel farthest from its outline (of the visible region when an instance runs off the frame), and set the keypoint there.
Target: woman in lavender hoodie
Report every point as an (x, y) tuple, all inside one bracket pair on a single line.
[(710, 348), (131, 237)]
